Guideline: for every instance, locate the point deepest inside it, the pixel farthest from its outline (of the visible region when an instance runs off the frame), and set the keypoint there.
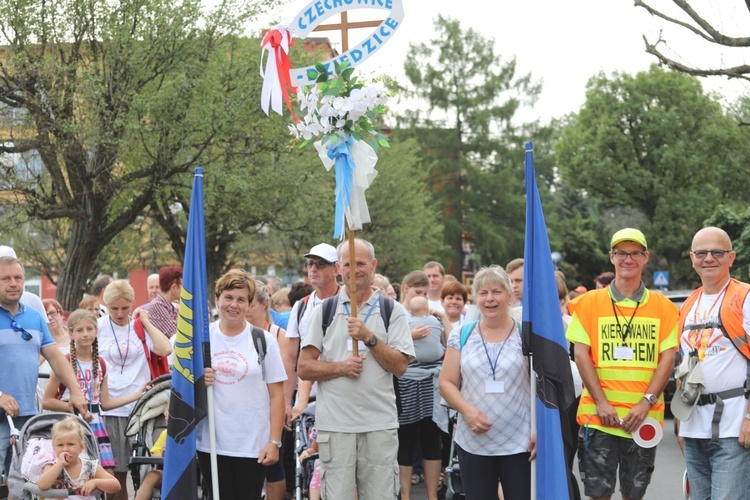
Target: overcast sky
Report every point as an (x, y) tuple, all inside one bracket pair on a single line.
[(561, 43)]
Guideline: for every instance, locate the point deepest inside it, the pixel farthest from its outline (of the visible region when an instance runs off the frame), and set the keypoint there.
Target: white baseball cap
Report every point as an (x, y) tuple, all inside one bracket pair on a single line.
[(325, 252), (6, 251)]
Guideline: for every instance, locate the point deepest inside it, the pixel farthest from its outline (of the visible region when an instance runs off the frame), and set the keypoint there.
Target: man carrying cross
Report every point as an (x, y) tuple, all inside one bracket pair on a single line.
[(356, 415)]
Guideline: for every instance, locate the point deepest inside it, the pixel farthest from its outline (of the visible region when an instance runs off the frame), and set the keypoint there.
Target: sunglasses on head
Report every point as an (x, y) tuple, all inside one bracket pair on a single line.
[(18, 328)]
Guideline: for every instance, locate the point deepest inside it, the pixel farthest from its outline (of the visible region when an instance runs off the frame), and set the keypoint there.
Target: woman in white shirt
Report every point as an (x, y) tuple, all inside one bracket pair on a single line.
[(486, 378), (248, 395), (127, 364)]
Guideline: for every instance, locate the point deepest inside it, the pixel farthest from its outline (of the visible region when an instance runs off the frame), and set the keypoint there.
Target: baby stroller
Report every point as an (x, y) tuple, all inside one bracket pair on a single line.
[(302, 441), (40, 427), (145, 422), (454, 489)]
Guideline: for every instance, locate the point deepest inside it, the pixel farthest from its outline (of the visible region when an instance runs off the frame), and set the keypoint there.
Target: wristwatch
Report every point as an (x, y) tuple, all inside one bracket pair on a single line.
[(277, 443), (651, 398), (372, 341)]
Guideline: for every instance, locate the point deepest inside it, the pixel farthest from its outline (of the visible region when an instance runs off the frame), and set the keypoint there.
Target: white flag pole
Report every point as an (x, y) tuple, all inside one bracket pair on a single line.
[(532, 385), (212, 442)]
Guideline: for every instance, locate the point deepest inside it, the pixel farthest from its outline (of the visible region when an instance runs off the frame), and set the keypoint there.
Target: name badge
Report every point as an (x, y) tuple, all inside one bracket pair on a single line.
[(494, 387), (360, 345), (623, 352)]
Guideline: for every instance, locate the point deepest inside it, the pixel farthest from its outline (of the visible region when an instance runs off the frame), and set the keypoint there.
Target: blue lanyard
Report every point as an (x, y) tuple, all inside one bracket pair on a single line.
[(123, 359), (86, 387), (367, 316), (493, 366)]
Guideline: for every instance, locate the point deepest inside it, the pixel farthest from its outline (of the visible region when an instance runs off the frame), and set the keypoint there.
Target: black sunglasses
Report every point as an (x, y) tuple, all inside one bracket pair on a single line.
[(319, 264), (18, 328)]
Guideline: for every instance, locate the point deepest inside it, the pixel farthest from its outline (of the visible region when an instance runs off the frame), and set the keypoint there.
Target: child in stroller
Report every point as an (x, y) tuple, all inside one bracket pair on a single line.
[(71, 471), (33, 451), (307, 477)]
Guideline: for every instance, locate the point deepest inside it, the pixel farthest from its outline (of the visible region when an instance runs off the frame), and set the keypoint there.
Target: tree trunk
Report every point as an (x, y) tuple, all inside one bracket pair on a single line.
[(85, 246)]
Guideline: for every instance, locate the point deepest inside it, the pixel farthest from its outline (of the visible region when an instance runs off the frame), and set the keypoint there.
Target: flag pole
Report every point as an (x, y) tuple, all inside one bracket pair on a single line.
[(211, 427), (532, 386), (353, 286)]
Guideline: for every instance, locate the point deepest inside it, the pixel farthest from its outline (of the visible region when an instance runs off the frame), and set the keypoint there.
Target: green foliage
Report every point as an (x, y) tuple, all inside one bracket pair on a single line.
[(656, 143), (470, 148), (405, 225), (334, 112), (117, 100)]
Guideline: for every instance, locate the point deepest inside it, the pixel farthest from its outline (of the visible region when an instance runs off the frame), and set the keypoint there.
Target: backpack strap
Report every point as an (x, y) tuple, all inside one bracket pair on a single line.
[(259, 341), (466, 333), (302, 308), (140, 331), (386, 308), (329, 310)]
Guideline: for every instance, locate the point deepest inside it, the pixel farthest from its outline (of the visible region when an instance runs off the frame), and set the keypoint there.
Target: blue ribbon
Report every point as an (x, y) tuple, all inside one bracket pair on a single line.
[(341, 155)]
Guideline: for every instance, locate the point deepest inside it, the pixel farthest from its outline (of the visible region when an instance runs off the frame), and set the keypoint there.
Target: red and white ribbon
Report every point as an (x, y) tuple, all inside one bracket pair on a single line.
[(276, 81)]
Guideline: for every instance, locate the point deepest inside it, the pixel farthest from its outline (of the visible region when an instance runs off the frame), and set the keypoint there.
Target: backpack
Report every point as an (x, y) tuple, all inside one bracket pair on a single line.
[(157, 365), (300, 312), (466, 333), (259, 341), (302, 308), (386, 308)]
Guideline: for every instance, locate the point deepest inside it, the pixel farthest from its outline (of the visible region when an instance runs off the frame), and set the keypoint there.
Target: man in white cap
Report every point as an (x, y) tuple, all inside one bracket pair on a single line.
[(322, 270), (625, 339), (714, 326), (30, 299)]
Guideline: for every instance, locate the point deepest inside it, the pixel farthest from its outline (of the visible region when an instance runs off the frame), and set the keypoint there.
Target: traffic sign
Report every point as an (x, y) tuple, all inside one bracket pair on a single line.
[(661, 278)]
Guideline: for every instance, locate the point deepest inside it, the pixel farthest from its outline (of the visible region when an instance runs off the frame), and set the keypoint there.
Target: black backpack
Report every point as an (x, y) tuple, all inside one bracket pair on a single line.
[(259, 341)]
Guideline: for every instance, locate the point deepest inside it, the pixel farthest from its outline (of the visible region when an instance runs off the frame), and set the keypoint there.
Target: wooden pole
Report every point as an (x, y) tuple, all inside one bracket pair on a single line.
[(345, 26), (353, 286)]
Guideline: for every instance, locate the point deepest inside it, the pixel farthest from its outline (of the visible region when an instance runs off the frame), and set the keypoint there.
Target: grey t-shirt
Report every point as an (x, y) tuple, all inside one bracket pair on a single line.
[(428, 349), (367, 403)]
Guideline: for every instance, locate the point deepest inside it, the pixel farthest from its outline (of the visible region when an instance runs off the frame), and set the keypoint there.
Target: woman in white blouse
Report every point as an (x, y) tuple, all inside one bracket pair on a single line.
[(485, 377)]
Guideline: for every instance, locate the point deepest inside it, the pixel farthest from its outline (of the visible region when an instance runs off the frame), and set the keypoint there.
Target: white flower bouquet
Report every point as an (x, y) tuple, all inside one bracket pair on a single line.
[(339, 107)]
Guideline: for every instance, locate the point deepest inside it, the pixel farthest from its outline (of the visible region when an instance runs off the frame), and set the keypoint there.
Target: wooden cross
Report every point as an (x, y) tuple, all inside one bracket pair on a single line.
[(345, 26)]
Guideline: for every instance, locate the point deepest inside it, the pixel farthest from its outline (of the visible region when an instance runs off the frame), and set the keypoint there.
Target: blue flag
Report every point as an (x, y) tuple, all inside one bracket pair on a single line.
[(187, 405), (544, 337)]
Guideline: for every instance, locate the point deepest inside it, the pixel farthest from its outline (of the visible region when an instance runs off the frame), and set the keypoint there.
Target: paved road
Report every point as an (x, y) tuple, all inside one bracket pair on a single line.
[(666, 483)]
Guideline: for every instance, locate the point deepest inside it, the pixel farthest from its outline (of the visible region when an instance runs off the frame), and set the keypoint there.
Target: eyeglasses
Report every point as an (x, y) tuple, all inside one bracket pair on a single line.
[(52, 312), (636, 256), (317, 264), (716, 254), (18, 328)]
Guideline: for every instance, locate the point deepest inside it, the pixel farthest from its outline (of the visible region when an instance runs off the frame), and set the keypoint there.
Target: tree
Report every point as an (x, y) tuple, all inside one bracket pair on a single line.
[(655, 142), (406, 225), (115, 100), (697, 21), (467, 134)]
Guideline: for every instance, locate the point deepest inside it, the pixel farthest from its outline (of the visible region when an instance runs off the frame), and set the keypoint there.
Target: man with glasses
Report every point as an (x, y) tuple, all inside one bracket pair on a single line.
[(23, 336), (714, 326), (356, 415), (322, 270), (625, 339)]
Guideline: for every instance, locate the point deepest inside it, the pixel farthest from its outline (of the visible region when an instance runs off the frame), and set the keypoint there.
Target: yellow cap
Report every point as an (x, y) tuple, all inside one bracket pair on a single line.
[(628, 234)]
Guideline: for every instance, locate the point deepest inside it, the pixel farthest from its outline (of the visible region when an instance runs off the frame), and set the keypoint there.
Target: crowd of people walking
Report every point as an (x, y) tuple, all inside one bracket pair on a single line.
[(400, 369)]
